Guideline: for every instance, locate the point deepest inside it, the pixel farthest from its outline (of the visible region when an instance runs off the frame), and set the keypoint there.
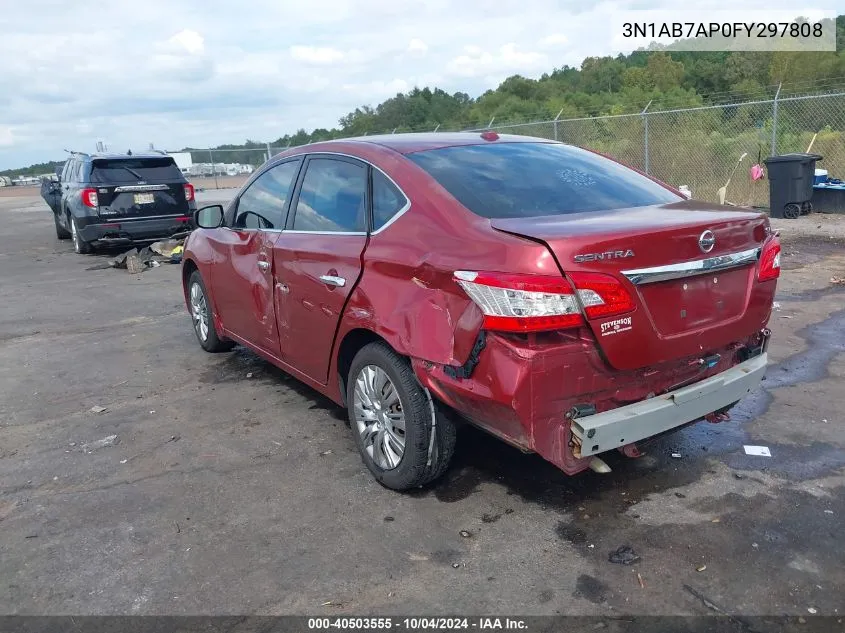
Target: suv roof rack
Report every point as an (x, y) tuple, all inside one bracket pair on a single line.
[(72, 152)]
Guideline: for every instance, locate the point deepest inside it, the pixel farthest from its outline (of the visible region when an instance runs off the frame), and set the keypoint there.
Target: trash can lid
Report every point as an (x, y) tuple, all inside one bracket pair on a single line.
[(788, 158)]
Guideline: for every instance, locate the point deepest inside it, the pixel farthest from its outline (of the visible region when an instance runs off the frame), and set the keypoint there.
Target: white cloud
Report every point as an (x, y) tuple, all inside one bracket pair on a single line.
[(316, 54), (554, 40), (479, 62), (7, 139), (417, 47), (189, 40)]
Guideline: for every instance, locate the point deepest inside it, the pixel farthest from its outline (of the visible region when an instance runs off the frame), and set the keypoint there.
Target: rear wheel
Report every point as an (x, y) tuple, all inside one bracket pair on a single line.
[(204, 328), (79, 245), (391, 419), (61, 232)]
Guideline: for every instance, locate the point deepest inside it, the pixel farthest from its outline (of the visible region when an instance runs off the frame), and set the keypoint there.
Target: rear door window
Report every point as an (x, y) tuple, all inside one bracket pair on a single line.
[(387, 200), (332, 197), (134, 170), (263, 204), (512, 180)]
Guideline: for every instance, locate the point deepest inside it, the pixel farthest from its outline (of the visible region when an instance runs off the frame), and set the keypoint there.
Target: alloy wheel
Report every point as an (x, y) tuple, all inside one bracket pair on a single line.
[(199, 311), (379, 417)]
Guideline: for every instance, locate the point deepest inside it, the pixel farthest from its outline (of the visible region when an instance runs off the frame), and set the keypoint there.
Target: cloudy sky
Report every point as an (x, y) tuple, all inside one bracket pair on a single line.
[(205, 72)]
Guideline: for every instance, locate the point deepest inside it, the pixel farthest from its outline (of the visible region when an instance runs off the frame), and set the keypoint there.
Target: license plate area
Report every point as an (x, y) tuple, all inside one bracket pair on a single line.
[(681, 305), (143, 198)]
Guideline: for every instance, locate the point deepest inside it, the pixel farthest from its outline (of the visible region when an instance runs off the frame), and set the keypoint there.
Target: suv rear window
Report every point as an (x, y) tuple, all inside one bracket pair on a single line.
[(512, 180), (149, 170)]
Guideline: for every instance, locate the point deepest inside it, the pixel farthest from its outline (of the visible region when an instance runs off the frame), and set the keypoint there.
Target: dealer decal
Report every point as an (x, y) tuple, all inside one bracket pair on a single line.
[(616, 326)]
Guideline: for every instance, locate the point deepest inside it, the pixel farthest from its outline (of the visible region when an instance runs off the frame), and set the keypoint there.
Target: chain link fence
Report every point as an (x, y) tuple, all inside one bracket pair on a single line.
[(698, 147)]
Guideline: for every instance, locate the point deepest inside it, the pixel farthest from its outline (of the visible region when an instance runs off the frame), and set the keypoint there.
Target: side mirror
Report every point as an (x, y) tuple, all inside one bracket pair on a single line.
[(210, 217)]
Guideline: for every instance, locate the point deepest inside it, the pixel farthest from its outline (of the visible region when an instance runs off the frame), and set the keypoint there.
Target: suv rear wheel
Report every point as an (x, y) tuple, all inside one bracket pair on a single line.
[(391, 419), (79, 245)]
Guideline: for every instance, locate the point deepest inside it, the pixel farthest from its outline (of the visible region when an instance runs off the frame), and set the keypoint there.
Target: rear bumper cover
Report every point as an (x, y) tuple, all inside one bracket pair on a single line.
[(119, 231), (615, 428)]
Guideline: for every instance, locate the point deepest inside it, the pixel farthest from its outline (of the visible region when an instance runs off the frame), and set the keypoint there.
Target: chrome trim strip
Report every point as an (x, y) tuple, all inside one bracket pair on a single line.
[(641, 276), (326, 232), (140, 218), (125, 188)]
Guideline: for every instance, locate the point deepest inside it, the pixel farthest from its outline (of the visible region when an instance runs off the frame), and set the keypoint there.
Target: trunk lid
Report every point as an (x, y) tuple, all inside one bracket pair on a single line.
[(139, 187), (690, 297)]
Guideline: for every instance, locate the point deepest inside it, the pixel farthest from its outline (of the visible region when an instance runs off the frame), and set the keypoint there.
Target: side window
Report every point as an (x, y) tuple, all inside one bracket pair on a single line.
[(387, 200), (332, 197), (66, 170), (262, 205), (77, 168)]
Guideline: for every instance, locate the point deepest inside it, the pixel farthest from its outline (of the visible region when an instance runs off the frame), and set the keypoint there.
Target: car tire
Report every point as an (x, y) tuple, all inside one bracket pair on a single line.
[(381, 392), (79, 245), (61, 232), (202, 318)]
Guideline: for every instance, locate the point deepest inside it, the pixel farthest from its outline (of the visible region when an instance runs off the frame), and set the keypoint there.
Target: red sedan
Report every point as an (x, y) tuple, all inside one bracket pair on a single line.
[(551, 296)]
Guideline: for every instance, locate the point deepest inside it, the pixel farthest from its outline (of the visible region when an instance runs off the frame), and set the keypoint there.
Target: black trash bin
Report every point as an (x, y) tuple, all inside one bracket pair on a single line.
[(791, 184)]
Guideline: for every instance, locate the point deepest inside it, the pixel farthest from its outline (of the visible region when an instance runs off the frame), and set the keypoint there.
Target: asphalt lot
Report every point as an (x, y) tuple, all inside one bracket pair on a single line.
[(233, 489)]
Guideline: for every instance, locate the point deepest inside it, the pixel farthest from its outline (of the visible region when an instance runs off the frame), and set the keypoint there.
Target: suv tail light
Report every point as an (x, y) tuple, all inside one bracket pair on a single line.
[(769, 260), (521, 303), (89, 198), (534, 303), (602, 295), (189, 192)]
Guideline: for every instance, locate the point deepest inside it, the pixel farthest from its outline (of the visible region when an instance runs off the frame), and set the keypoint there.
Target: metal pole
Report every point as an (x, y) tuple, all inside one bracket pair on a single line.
[(213, 170), (394, 130), (645, 126), (437, 128), (268, 151), (775, 121), (489, 125), (556, 118)]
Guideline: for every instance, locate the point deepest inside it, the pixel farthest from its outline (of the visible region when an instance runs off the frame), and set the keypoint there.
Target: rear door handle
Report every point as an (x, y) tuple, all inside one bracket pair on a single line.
[(331, 280), (264, 265)]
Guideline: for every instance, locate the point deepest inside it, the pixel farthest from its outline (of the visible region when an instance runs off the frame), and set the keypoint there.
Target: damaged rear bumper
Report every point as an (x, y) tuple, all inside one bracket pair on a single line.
[(615, 428)]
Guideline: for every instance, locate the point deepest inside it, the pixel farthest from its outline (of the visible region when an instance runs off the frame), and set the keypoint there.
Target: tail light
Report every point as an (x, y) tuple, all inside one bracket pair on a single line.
[(602, 295), (769, 260), (521, 303), (189, 192), (534, 303), (89, 198)]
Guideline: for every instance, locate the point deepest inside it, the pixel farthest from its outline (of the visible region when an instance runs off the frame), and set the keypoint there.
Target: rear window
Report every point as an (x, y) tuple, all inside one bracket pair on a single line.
[(149, 170), (512, 180)]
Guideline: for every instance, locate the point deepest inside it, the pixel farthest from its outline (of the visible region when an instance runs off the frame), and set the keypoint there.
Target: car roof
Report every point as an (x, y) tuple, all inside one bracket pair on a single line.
[(128, 156), (417, 142)]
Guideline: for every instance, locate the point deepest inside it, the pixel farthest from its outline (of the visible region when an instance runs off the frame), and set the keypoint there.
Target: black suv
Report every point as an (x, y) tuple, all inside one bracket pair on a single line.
[(119, 199)]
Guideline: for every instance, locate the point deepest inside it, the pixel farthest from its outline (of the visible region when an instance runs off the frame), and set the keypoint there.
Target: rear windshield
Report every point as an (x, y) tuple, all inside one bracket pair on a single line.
[(512, 180), (150, 170)]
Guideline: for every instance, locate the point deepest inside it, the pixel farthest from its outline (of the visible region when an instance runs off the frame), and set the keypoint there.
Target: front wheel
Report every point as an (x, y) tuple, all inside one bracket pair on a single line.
[(79, 245), (391, 419), (204, 328)]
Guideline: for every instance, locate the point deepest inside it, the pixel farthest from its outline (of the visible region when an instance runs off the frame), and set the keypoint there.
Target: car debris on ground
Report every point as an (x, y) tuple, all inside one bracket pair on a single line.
[(109, 440), (625, 555), (137, 260)]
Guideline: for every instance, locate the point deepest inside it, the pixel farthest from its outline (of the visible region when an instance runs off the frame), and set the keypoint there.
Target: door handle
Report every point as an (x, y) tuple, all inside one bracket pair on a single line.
[(264, 265), (331, 280)]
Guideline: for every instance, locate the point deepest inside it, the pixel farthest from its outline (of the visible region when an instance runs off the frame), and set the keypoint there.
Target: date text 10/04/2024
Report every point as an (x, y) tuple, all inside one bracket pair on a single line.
[(417, 623)]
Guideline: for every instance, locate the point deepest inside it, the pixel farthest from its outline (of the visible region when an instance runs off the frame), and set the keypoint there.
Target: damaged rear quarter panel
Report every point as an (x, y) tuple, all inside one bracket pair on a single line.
[(407, 294)]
